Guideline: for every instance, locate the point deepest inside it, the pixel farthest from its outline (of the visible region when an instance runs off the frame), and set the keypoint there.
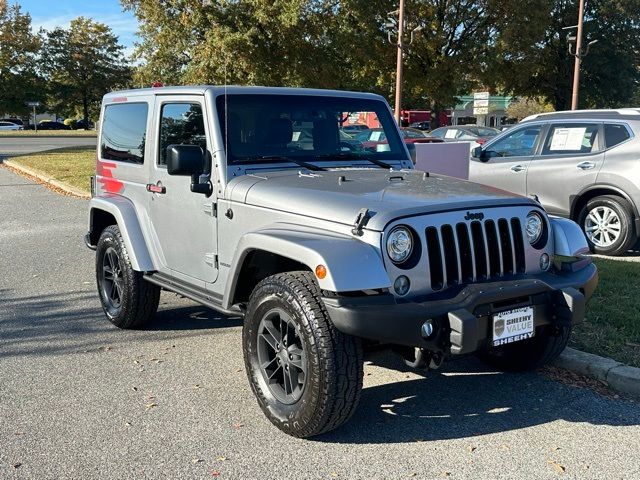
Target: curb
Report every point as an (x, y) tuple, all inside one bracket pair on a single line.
[(618, 376), (76, 192)]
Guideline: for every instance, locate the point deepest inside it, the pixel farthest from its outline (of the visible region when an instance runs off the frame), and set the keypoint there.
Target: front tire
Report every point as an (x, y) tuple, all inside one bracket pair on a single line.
[(127, 299), (543, 348), (305, 374), (607, 222)]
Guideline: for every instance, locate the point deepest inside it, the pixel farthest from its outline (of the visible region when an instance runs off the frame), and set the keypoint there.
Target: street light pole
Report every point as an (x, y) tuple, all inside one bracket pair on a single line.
[(399, 63), (578, 60)]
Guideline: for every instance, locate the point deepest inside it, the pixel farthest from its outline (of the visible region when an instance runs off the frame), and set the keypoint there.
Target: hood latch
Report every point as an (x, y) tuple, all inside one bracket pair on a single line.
[(361, 221)]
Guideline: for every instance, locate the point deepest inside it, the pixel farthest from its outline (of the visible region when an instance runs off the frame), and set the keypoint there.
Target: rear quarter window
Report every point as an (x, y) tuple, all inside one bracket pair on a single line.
[(124, 129), (615, 134)]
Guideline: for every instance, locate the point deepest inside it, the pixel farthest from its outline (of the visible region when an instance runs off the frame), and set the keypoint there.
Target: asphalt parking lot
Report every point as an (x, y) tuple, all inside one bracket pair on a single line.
[(82, 399), (24, 145)]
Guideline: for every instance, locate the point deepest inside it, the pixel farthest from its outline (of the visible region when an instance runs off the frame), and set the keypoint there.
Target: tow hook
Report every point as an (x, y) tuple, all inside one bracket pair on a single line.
[(422, 359)]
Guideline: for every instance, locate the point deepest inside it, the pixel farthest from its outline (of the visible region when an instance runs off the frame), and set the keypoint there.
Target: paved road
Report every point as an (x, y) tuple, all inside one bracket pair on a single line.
[(81, 399), (21, 146)]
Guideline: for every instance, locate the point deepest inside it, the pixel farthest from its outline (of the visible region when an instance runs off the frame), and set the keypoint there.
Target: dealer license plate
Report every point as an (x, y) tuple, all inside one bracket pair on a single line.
[(513, 326)]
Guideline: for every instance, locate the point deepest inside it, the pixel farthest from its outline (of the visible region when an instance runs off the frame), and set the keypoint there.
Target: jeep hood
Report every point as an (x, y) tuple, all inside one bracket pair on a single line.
[(338, 195)]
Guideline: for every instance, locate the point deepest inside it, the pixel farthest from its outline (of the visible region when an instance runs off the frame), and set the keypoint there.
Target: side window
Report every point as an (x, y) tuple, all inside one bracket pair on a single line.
[(412, 134), (520, 143), (124, 129), (181, 124), (615, 134), (572, 139), (486, 132)]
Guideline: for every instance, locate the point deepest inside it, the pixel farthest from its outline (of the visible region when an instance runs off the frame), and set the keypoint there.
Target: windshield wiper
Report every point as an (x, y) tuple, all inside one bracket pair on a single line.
[(354, 156), (283, 158)]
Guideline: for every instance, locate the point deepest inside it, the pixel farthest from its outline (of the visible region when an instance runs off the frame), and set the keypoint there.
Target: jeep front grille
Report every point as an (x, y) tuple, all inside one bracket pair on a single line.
[(465, 253)]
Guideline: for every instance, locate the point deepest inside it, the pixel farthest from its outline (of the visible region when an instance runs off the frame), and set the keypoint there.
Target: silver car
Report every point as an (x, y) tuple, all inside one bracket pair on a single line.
[(248, 201), (581, 165)]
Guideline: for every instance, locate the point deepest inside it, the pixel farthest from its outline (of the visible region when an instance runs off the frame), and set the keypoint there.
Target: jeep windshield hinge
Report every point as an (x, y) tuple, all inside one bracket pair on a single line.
[(361, 221), (211, 209), (211, 259)]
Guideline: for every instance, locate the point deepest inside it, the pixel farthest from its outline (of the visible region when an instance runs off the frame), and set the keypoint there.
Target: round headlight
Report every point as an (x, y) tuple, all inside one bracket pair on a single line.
[(399, 244), (534, 227)]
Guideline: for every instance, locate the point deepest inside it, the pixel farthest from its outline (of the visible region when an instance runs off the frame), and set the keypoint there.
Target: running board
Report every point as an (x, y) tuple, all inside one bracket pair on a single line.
[(194, 293)]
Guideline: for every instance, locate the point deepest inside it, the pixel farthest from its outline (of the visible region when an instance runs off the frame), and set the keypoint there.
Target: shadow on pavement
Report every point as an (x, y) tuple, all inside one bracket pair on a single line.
[(73, 322), (466, 399)]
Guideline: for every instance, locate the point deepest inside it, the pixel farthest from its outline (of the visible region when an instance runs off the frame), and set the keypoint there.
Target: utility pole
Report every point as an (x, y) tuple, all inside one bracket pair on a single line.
[(578, 60), (399, 63), (400, 45)]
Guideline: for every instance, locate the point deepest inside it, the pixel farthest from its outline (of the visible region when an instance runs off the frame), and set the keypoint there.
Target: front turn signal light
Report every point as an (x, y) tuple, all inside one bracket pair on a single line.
[(321, 272)]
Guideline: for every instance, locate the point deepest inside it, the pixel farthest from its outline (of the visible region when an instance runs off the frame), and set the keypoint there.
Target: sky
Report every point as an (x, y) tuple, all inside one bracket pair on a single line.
[(58, 13)]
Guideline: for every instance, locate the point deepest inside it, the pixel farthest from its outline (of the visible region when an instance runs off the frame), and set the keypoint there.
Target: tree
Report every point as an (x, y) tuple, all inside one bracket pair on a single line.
[(524, 107), (81, 64), (544, 67), (18, 51), (324, 43)]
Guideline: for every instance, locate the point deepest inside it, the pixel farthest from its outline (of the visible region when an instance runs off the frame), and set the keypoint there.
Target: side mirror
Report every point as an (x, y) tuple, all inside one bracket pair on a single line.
[(187, 160), (479, 154)]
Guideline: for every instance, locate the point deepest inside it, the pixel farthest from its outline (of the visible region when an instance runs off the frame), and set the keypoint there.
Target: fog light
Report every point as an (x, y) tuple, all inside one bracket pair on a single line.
[(427, 329), (401, 285), (545, 262)]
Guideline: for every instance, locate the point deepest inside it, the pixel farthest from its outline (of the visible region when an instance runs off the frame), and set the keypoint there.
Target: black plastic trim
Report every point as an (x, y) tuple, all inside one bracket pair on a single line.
[(555, 298)]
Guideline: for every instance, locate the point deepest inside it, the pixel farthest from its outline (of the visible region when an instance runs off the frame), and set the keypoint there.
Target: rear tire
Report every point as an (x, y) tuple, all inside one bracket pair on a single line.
[(607, 222), (128, 300), (543, 348), (318, 389)]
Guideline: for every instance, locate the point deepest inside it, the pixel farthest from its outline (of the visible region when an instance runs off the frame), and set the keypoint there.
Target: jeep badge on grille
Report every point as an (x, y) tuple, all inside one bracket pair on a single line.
[(474, 216)]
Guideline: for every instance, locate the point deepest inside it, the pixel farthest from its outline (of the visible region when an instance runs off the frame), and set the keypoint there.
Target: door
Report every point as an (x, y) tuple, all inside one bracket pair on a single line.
[(505, 161), (184, 222), (569, 161)]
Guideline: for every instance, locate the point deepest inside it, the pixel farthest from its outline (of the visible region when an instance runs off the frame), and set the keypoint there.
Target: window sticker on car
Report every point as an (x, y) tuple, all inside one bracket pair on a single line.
[(375, 136), (567, 139), (451, 133)]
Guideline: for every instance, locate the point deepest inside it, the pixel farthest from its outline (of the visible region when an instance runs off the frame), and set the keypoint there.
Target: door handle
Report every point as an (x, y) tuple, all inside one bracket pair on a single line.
[(518, 168), (156, 188), (586, 165)]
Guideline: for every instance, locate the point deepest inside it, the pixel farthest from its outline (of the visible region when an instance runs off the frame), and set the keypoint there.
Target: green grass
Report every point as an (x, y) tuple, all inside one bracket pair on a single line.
[(73, 166), (48, 133), (612, 327)]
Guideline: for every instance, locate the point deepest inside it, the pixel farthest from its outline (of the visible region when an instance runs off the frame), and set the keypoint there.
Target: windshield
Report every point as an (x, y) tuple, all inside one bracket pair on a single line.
[(277, 128)]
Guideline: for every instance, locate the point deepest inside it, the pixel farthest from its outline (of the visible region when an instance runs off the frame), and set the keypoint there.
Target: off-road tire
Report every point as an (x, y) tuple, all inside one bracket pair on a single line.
[(140, 298), (334, 360), (623, 209), (543, 348)]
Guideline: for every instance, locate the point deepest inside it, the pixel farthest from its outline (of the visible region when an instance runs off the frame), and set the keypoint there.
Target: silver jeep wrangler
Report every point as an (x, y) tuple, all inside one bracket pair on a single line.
[(256, 203)]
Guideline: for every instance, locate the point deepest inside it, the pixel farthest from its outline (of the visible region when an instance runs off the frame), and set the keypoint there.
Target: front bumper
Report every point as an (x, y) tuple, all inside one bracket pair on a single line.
[(462, 322)]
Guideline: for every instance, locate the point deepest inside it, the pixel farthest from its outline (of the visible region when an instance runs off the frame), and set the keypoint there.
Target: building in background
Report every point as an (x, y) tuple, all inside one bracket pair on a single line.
[(482, 109)]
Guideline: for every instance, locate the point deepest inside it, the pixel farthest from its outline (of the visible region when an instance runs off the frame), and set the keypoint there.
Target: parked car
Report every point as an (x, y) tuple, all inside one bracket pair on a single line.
[(376, 136), (426, 126), (82, 125), (465, 133), (317, 249), (50, 125), (15, 120), (581, 165), (354, 128), (8, 126)]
